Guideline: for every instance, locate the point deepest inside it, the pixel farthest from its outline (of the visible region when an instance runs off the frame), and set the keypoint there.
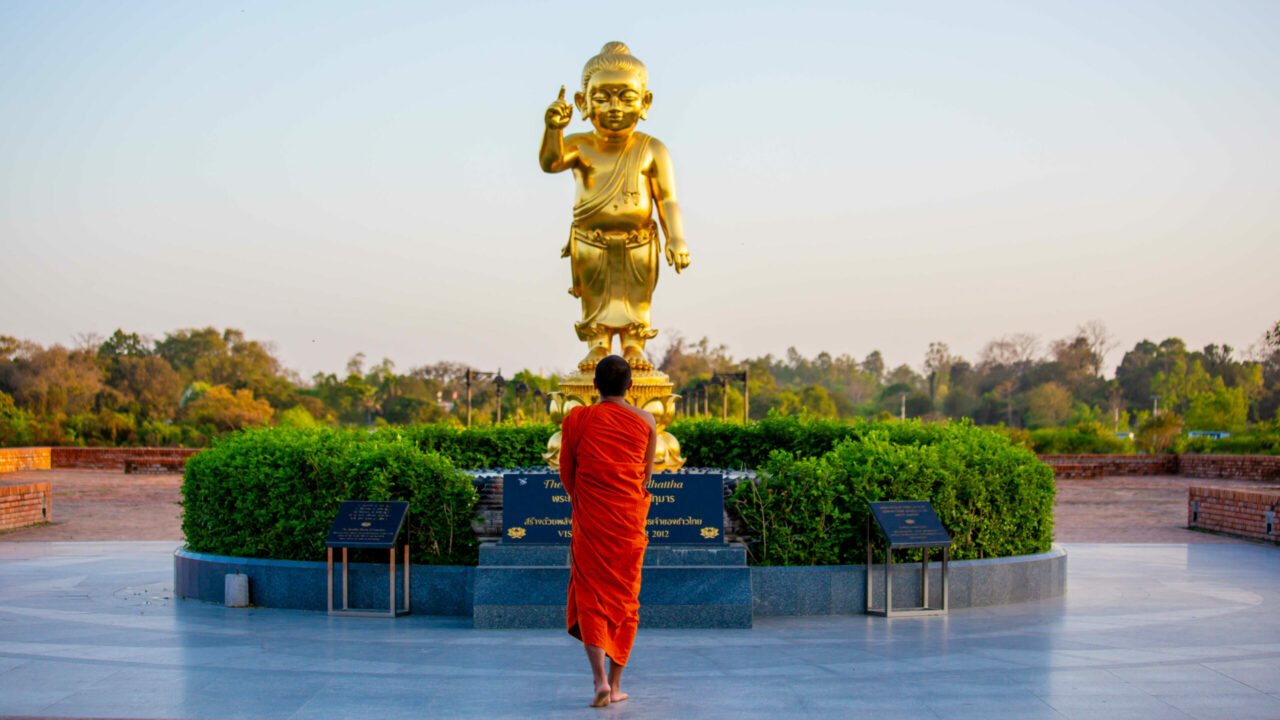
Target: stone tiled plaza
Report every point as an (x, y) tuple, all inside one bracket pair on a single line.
[(1165, 623)]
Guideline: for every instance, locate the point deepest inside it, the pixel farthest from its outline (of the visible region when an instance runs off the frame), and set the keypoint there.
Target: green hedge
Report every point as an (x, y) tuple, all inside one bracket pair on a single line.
[(994, 498), (1259, 444), (274, 492), (719, 444), (500, 446)]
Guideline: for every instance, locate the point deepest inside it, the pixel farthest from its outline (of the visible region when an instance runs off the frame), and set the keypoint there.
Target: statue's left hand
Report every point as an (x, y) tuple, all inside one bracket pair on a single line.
[(677, 254)]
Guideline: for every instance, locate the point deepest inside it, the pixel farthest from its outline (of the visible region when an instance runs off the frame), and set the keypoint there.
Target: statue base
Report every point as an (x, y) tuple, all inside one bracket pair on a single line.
[(650, 390)]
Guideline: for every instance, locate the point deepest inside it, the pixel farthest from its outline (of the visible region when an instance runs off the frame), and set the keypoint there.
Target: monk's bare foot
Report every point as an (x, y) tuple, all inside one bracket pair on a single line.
[(636, 359), (602, 696), (593, 358), (617, 696)]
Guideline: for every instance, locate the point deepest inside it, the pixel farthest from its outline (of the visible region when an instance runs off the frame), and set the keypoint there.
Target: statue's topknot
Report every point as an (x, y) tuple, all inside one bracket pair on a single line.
[(614, 56)]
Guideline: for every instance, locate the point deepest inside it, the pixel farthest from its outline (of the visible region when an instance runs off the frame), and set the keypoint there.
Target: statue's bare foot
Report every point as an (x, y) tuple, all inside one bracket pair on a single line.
[(602, 696), (617, 696), (593, 358), (635, 358)]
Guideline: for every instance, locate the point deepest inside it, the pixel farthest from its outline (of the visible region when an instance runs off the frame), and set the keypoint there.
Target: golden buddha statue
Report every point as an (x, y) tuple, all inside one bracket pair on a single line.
[(622, 176)]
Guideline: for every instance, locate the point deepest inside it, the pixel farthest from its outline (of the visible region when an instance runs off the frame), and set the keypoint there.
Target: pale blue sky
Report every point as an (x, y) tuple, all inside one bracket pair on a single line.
[(344, 177)]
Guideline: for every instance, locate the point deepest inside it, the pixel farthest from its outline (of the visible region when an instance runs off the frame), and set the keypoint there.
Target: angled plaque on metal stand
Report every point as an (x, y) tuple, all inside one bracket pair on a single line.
[(370, 525), (905, 525)]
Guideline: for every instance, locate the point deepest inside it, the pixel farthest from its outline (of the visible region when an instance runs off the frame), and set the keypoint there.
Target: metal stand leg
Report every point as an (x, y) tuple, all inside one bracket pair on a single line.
[(946, 555), (345, 584), (868, 606), (329, 577), (406, 577), (924, 578), (888, 582)]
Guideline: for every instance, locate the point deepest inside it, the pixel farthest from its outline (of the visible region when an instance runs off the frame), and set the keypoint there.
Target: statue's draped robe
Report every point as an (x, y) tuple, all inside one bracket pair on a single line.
[(602, 467), (614, 272)]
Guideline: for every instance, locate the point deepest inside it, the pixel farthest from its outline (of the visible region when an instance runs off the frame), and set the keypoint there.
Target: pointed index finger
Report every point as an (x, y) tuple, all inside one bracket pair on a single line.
[(561, 98)]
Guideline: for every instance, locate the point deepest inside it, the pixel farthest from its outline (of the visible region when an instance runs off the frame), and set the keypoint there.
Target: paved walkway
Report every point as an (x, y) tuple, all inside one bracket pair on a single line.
[(1145, 631)]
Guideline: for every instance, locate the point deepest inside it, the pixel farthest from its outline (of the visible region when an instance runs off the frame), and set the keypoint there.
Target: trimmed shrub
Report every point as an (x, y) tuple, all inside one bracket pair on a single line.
[(719, 444), (494, 446), (1253, 444), (274, 493), (1070, 441), (995, 499)]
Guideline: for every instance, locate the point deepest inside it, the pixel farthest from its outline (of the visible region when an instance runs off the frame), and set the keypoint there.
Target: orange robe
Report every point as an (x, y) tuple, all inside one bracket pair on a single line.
[(602, 467)]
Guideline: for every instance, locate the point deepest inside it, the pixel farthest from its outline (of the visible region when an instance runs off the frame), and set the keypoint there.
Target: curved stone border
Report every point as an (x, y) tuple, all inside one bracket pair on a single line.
[(775, 591)]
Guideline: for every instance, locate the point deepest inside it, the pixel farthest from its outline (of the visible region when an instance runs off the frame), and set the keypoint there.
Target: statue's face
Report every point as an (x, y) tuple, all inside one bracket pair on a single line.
[(615, 100)]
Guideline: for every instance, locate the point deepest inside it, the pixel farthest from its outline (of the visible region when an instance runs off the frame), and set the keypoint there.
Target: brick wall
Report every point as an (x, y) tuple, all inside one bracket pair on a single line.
[(1262, 468), (83, 458), (26, 504), (1237, 512), (1092, 466), (25, 458)]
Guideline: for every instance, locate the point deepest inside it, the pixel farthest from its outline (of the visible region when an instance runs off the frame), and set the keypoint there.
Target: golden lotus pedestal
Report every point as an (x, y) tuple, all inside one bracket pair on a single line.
[(650, 390)]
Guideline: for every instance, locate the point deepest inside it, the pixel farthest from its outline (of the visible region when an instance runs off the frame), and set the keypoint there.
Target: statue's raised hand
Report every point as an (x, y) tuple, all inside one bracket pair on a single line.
[(559, 113)]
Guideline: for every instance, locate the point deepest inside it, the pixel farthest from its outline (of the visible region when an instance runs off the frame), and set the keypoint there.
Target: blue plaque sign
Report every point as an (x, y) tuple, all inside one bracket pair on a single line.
[(910, 524), (683, 509), (361, 524)]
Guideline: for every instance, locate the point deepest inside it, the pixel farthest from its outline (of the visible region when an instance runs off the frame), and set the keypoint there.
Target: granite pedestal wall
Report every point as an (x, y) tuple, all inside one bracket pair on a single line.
[(681, 587), (842, 589), (525, 586), (300, 585)]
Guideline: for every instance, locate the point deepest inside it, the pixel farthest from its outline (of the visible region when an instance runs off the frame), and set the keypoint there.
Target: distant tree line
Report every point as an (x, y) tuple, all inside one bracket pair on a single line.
[(194, 385)]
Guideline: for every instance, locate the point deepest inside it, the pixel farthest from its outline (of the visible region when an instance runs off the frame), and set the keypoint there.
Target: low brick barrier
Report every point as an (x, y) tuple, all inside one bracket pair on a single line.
[(1094, 466), (24, 458), (1247, 513), (129, 459), (25, 504), (1261, 468), (1077, 471)]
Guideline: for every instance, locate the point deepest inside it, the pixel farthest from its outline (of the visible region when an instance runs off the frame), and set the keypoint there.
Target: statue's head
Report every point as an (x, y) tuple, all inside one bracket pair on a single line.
[(613, 94)]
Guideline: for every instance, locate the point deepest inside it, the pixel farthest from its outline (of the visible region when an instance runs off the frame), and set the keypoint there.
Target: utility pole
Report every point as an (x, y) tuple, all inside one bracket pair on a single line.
[(902, 414)]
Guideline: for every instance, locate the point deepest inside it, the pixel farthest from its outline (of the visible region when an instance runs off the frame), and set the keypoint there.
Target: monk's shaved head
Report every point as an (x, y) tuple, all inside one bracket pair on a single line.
[(613, 375)]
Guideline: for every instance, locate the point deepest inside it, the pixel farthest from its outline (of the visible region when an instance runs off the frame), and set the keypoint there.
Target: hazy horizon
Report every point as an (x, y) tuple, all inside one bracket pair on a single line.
[(341, 179)]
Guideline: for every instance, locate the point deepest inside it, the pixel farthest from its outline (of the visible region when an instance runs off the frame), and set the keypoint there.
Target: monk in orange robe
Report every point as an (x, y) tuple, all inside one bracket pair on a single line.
[(606, 460)]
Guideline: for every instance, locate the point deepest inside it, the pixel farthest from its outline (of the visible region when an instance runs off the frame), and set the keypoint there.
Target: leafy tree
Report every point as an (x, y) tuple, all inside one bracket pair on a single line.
[(51, 382), (297, 417), (1158, 434), (873, 365), (1221, 408), (1048, 405), (226, 410), (1099, 340), (937, 366)]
